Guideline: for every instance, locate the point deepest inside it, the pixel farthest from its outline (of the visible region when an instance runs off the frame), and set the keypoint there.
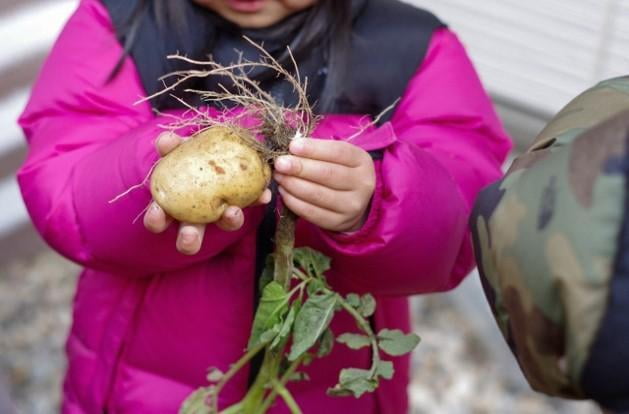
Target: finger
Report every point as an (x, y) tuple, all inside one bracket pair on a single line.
[(166, 142), (190, 238), (337, 152), (265, 198), (155, 219), (331, 175), (232, 219), (325, 219), (316, 194)]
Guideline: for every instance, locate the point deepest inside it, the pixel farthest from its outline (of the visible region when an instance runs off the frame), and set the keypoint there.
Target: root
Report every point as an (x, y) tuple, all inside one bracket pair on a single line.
[(135, 220), (137, 186), (277, 124), (127, 192), (373, 122)]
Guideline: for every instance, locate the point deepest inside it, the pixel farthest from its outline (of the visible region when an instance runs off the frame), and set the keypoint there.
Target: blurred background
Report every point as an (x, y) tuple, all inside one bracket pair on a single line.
[(533, 56)]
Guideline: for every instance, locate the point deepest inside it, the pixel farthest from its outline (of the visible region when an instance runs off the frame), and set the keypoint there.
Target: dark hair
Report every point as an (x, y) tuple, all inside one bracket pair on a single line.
[(328, 22)]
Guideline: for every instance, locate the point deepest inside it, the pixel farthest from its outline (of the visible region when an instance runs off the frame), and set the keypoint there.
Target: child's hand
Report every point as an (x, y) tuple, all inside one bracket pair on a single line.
[(328, 183), (190, 235)]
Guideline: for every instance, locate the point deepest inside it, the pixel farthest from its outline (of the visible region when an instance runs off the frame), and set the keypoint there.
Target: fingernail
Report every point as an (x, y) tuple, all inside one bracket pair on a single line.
[(232, 212), (153, 212), (159, 139), (188, 236), (297, 145), (283, 163)]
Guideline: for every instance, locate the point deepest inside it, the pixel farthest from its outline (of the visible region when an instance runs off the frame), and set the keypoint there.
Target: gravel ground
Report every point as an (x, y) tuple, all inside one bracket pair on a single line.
[(35, 302), (455, 371)]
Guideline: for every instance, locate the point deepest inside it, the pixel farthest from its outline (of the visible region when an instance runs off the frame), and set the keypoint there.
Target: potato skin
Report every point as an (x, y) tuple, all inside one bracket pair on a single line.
[(204, 175)]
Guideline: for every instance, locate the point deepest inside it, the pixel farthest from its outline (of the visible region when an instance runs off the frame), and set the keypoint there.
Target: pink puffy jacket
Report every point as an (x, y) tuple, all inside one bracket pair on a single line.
[(148, 321)]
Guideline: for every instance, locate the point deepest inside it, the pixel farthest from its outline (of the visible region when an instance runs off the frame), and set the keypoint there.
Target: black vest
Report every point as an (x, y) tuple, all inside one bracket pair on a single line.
[(388, 44)]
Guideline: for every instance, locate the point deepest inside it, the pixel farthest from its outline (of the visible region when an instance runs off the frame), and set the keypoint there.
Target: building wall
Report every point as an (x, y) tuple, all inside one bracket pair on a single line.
[(538, 54)]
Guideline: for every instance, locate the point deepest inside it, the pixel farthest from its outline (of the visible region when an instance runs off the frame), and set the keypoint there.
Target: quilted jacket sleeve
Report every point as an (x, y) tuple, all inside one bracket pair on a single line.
[(89, 142), (443, 144)]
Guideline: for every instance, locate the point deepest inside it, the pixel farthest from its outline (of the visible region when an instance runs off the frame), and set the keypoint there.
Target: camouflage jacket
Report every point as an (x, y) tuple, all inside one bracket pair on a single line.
[(552, 245)]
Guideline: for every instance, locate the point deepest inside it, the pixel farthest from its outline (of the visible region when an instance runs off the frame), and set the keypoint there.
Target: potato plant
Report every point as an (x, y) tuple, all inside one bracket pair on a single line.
[(302, 313), (226, 165)]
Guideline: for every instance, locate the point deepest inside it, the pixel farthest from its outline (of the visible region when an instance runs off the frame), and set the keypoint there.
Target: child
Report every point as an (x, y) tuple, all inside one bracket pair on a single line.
[(159, 304)]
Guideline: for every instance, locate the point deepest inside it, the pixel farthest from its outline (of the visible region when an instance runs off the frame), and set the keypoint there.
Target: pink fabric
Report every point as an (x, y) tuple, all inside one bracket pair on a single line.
[(148, 322)]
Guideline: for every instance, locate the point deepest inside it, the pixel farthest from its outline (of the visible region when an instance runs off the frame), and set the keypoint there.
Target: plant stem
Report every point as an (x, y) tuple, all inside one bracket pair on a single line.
[(287, 397), (232, 371), (234, 409), (268, 373), (285, 378), (284, 243), (364, 325)]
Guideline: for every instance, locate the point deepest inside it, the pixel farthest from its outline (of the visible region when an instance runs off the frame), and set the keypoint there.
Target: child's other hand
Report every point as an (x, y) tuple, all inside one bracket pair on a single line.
[(328, 183), (190, 236)]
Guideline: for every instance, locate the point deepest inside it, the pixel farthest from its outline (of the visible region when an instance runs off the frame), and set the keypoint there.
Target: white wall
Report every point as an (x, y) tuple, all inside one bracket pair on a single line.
[(29, 30), (540, 53)]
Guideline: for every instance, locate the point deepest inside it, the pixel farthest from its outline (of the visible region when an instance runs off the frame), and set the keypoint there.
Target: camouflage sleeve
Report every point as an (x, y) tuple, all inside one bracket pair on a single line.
[(553, 253)]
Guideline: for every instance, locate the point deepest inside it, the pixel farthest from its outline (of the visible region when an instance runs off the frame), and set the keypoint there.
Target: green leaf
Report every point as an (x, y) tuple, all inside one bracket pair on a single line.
[(215, 375), (315, 286), (311, 322), (326, 344), (307, 359), (195, 403), (353, 300), (395, 342), (273, 306), (315, 264), (270, 335), (354, 381), (299, 376), (354, 341), (385, 369), (287, 326), (338, 391), (367, 305)]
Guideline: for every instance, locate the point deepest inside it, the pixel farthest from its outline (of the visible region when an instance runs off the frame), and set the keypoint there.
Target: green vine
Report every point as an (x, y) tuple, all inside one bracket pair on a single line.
[(298, 304)]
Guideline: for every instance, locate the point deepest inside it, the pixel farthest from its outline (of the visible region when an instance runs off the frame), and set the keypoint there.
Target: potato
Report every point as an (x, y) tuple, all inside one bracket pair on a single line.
[(212, 170)]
